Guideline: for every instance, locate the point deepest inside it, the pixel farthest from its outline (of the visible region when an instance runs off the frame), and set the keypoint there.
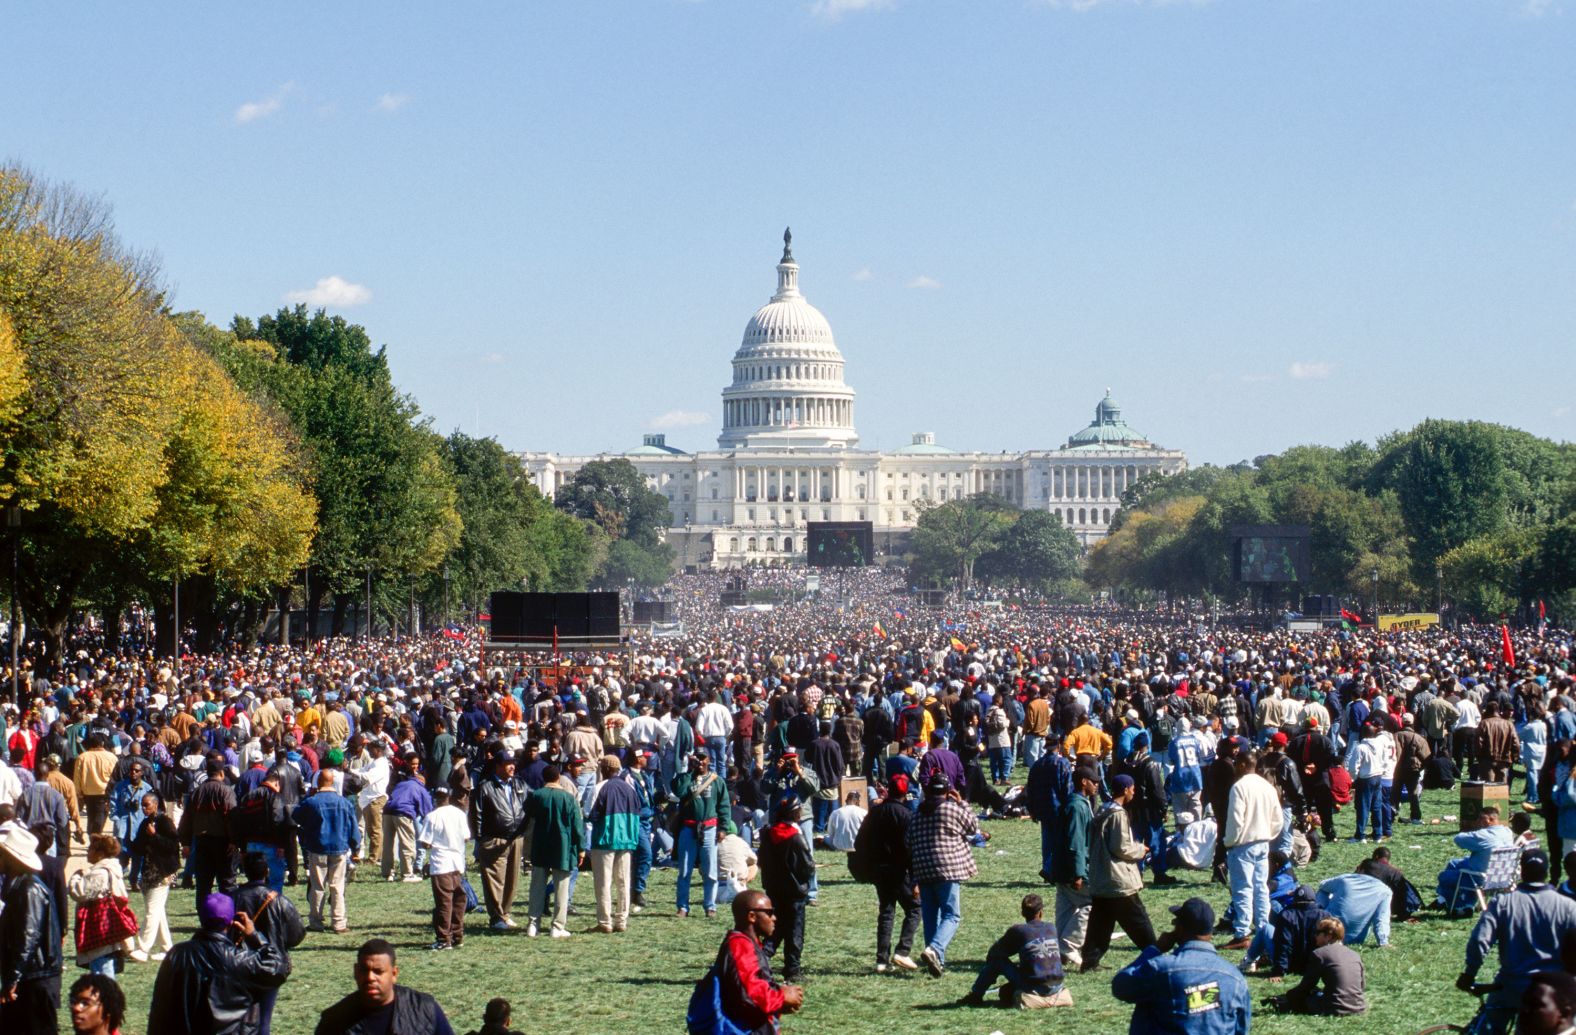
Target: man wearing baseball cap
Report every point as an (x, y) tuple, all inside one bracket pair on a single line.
[(1180, 985)]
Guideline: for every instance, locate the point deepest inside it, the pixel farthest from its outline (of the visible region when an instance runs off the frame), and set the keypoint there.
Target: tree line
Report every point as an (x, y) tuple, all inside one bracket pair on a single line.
[(1476, 515), (269, 463)]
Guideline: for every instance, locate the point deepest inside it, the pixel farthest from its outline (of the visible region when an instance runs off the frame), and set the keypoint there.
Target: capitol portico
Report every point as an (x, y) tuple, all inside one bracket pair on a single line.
[(786, 456)]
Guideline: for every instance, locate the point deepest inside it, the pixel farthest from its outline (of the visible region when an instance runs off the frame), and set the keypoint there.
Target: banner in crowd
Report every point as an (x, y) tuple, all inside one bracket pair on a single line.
[(1398, 623)]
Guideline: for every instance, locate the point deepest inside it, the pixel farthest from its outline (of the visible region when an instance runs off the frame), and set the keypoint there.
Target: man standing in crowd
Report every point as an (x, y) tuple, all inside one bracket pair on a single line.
[(30, 934), (786, 867), (1070, 866), (1253, 820), (1114, 880), (557, 835), (615, 834), (882, 844), (94, 775), (328, 837), (408, 804), (751, 998), (941, 858), (373, 769), (214, 981), (443, 835), (276, 919), (205, 830), (498, 823)]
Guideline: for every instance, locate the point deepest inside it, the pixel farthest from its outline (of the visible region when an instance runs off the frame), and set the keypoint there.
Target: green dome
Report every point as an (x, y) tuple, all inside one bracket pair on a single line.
[(1108, 428)]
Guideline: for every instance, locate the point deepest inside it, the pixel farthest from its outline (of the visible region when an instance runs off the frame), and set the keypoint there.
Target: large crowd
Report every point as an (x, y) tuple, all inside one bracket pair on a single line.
[(735, 745)]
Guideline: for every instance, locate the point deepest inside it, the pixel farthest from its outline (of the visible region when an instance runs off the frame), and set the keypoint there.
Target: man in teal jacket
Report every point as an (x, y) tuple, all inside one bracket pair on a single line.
[(615, 834), (556, 832)]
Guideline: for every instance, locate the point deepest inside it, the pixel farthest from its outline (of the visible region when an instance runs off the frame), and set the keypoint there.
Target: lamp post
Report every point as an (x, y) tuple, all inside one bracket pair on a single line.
[(369, 605), (177, 629), (13, 519), (445, 618), (1376, 598)]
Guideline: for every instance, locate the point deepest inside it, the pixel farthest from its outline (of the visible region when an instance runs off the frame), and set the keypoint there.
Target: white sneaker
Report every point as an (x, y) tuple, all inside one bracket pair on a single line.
[(508, 921), (881, 968), (531, 930), (158, 957), (559, 932), (906, 962), (412, 879), (138, 955)]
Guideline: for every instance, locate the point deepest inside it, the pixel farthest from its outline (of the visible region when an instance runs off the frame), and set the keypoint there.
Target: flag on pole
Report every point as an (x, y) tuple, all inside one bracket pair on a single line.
[(1506, 648), (959, 645), (877, 630)]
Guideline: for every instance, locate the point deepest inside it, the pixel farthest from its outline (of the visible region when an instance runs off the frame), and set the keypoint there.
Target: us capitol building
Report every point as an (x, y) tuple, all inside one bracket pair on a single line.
[(788, 455)]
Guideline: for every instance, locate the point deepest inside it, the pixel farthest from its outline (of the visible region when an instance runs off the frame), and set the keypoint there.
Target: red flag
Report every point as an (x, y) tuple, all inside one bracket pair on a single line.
[(1541, 612), (1506, 648)]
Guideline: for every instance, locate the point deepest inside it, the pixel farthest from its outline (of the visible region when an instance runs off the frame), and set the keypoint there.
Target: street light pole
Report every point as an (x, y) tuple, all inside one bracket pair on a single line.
[(13, 516), (369, 605), (1376, 599), (177, 629)]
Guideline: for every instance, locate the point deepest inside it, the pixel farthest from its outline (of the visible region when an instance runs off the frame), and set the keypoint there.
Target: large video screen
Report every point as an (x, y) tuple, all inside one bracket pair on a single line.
[(1272, 555), (839, 544)]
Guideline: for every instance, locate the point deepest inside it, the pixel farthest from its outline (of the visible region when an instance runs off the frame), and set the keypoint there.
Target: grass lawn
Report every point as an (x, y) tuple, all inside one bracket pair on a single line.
[(610, 983)]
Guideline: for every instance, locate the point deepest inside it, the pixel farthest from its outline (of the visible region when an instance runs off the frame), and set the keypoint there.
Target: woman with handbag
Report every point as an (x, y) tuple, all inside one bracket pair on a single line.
[(105, 922), (161, 855)]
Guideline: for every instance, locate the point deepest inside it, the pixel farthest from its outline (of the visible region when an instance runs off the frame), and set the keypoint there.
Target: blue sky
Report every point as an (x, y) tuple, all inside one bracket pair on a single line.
[(1258, 223)]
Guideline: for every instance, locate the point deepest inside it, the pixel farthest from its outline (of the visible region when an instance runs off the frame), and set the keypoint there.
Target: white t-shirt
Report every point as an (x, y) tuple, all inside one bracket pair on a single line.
[(444, 833), (842, 827)]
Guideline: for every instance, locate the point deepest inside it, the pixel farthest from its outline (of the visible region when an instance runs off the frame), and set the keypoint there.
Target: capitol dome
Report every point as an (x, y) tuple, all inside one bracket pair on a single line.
[(1108, 430), (787, 388)]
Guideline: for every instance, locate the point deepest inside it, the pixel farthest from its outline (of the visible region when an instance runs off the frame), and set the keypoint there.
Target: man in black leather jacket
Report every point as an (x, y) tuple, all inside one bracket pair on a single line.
[(211, 984), (29, 940), (498, 823), (379, 1004)]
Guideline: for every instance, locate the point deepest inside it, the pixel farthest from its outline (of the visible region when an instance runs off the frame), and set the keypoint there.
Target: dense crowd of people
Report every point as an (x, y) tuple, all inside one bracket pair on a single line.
[(738, 744)]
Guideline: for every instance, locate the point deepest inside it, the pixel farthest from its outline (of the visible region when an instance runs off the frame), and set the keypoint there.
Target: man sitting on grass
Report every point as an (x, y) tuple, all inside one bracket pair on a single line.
[(1034, 980), (1334, 966)]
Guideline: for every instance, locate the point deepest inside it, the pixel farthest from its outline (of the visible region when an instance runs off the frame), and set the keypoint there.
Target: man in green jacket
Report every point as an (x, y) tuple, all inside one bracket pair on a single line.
[(703, 807), (1070, 866), (556, 830), (1114, 880)]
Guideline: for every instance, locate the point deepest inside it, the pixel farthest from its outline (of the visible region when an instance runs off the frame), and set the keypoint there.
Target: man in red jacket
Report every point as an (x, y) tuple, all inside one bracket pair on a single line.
[(751, 998)]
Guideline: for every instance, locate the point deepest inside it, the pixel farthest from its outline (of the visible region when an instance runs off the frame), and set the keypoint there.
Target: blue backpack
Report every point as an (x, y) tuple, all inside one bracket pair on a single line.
[(705, 1016)]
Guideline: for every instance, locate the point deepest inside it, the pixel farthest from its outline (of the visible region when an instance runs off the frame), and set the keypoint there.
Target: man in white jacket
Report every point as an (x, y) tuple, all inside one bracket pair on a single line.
[(1370, 759), (1253, 820)]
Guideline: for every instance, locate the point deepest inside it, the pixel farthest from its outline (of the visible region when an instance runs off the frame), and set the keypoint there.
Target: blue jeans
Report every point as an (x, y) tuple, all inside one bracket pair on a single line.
[(265, 1009), (1532, 785), (1000, 764), (1155, 838), (642, 867), (941, 909), (822, 810), (1386, 805), (276, 864), (717, 748), (1003, 966), (1047, 848), (691, 854), (806, 828), (104, 965), (1287, 835), (1033, 748), (1368, 808), (1249, 868)]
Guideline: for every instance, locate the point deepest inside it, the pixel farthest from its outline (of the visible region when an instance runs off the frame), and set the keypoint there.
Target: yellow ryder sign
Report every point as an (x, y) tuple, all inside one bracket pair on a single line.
[(1389, 623)]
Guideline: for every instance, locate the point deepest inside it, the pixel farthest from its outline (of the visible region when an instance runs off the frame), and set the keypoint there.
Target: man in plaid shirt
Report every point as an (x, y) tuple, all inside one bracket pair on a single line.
[(942, 858)]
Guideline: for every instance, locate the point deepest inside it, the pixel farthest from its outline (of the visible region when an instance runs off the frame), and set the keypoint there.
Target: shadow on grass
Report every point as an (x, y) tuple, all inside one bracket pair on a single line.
[(684, 982)]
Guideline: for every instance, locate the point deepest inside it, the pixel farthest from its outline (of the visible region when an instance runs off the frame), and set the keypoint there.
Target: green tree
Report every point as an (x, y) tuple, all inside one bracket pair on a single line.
[(950, 537), (613, 495), (1036, 549)]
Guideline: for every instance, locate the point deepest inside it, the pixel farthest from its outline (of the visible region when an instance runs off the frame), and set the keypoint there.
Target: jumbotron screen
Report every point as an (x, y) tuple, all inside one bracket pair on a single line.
[(1265, 556), (839, 544)]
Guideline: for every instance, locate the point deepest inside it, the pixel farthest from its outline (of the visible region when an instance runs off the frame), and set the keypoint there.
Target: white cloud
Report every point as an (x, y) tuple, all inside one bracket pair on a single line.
[(863, 274), (680, 419), (251, 111), (392, 102), (1310, 371), (925, 283), (332, 292), (1538, 8), (834, 10)]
